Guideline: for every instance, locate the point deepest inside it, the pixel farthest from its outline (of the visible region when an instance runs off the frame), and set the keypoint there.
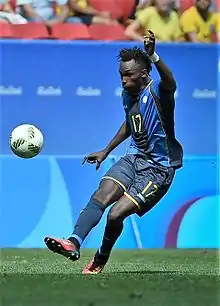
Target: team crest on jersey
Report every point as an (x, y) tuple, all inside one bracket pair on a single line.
[(144, 99)]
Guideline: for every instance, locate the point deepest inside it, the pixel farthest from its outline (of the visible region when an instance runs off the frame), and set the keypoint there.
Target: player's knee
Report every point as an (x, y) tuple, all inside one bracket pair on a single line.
[(107, 193), (115, 215)]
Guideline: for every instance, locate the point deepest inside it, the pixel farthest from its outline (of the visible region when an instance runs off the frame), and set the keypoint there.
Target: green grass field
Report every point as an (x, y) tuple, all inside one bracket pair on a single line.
[(150, 277)]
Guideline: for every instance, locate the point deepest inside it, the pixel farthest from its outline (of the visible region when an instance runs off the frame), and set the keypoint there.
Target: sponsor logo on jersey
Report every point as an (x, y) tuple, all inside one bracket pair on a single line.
[(144, 99)]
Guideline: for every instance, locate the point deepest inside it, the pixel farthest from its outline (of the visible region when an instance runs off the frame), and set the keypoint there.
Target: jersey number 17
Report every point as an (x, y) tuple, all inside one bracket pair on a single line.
[(137, 123)]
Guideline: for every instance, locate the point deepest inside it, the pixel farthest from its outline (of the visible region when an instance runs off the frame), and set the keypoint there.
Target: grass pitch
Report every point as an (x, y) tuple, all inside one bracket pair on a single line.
[(31, 277)]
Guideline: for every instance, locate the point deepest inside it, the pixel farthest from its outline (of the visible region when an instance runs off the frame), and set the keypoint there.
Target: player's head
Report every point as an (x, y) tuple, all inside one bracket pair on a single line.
[(135, 67), (203, 5)]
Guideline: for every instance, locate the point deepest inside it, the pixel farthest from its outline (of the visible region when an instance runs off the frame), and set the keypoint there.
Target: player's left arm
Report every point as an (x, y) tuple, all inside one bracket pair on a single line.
[(167, 79)]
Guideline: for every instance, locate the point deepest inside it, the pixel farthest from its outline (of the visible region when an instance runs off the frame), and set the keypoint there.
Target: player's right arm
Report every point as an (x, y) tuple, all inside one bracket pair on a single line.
[(98, 157), (122, 134)]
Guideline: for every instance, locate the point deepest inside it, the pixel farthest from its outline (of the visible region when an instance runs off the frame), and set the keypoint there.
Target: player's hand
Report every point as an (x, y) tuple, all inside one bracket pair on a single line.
[(97, 157), (149, 43)]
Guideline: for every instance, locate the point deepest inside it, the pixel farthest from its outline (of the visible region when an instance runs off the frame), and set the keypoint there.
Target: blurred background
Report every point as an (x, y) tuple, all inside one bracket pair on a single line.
[(59, 71)]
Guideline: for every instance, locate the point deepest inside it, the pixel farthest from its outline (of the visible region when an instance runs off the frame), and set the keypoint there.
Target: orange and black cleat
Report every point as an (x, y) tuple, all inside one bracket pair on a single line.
[(96, 265), (64, 247)]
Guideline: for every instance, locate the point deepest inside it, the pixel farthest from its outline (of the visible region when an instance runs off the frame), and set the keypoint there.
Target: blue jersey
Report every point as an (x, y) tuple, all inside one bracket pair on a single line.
[(151, 121)]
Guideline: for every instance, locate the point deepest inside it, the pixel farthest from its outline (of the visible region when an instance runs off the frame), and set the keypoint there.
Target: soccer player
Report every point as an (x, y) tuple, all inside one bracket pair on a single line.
[(142, 177)]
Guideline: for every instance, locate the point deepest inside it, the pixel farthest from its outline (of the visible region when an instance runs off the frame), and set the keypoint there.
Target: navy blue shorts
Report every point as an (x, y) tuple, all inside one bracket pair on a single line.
[(142, 181)]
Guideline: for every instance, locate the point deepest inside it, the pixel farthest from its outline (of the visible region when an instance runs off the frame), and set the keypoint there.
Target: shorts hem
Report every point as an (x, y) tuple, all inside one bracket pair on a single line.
[(116, 181), (133, 200)]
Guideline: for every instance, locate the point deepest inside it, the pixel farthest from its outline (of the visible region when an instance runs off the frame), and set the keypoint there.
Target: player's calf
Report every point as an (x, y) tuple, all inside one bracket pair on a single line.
[(107, 193), (113, 230), (90, 216), (87, 220), (116, 216)]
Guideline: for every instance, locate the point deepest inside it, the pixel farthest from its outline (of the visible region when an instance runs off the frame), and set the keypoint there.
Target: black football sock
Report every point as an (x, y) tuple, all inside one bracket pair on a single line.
[(88, 218), (112, 232)]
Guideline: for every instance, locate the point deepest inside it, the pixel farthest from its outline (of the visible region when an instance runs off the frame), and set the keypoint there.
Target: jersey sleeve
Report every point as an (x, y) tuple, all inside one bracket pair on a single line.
[(164, 95), (156, 87)]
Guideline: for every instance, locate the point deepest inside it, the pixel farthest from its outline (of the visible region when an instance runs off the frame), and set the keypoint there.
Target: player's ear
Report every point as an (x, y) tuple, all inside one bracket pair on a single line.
[(144, 73)]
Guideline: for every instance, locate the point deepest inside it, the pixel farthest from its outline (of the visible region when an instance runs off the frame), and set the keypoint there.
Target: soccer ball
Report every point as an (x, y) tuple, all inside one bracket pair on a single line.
[(26, 141)]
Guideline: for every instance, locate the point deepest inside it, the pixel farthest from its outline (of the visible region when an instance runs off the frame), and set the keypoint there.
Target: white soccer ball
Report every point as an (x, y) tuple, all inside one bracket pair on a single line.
[(26, 141)]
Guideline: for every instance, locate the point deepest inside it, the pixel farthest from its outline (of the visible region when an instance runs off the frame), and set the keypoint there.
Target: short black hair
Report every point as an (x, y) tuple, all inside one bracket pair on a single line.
[(141, 57)]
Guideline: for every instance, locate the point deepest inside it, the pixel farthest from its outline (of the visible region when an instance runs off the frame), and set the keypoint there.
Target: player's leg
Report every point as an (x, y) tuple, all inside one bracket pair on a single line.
[(150, 184), (116, 216), (111, 188), (107, 193)]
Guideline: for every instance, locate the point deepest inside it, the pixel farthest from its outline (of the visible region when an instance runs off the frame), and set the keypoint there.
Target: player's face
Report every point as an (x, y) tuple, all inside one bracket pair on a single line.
[(131, 76)]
